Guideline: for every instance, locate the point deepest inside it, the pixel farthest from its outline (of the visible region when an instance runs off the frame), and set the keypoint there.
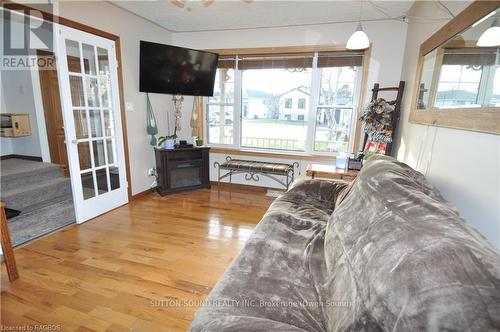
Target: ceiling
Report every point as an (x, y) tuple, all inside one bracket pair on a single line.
[(247, 14)]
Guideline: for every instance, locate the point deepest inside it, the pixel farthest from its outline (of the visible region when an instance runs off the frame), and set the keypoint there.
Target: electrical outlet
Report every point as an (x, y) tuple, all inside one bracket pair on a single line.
[(152, 171)]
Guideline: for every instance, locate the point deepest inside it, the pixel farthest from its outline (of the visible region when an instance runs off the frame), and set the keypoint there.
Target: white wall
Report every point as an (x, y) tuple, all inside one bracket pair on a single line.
[(388, 40), (131, 29), (17, 97), (5, 143), (463, 165)]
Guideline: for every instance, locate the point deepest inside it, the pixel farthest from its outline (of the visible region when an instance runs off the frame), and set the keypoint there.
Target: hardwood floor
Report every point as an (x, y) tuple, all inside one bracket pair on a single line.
[(142, 267)]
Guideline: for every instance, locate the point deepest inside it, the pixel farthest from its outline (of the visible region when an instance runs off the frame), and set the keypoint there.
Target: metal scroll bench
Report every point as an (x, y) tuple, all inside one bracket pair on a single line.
[(252, 170)]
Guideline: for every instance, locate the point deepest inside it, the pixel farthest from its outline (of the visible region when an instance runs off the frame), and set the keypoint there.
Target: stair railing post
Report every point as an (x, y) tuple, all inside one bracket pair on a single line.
[(10, 260)]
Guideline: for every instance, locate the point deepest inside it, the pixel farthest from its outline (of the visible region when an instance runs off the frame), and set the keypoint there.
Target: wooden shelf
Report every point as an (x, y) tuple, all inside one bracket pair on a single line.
[(15, 125)]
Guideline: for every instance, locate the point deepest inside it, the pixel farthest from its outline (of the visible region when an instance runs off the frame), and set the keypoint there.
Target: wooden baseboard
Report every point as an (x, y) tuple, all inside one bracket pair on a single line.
[(18, 156), (141, 194), (242, 187)]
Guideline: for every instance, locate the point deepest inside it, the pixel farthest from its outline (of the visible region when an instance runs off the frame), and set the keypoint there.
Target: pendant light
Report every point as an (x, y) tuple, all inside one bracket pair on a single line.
[(358, 40), (490, 37)]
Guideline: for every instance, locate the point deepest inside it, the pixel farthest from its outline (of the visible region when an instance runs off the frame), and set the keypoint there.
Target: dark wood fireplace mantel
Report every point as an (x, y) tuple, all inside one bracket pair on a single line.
[(182, 169)]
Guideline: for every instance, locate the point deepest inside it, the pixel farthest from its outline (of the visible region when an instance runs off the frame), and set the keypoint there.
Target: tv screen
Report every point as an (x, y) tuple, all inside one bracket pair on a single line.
[(176, 70)]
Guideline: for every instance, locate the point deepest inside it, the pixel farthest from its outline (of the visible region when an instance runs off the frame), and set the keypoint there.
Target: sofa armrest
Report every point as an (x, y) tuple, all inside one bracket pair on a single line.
[(322, 190)]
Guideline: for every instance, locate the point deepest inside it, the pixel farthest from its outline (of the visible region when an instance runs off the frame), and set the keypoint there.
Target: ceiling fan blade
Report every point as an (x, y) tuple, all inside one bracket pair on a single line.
[(207, 3), (247, 1), (178, 3)]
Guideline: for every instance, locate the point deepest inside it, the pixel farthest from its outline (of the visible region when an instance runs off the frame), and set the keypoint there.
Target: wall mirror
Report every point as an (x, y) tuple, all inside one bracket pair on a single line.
[(458, 73)]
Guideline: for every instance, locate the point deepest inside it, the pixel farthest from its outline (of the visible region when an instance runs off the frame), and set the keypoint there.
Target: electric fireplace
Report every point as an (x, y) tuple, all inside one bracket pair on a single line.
[(182, 169)]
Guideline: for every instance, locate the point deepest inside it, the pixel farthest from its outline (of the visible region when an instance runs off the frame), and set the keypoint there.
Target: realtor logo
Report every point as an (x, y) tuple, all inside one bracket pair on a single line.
[(24, 32)]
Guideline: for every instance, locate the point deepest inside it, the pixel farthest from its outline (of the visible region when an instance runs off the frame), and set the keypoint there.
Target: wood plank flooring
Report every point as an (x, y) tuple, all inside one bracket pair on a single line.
[(143, 267)]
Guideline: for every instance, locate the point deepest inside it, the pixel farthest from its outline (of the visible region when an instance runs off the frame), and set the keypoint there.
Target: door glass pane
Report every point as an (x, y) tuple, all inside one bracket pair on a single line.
[(80, 118), (76, 87), (99, 158), (102, 57), (91, 86), (114, 177), (84, 155), (89, 59), (88, 185), (73, 56), (108, 123), (102, 181), (110, 146), (105, 91), (95, 123)]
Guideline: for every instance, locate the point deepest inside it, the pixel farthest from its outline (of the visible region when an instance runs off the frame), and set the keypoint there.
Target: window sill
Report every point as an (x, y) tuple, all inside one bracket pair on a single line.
[(272, 154)]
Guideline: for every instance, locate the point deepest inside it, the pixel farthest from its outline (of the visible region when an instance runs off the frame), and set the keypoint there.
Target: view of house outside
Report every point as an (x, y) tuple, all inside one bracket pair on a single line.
[(468, 86), (275, 108), (271, 117)]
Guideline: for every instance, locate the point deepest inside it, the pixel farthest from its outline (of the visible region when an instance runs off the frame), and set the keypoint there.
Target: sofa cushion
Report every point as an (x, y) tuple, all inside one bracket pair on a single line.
[(399, 257), (272, 284)]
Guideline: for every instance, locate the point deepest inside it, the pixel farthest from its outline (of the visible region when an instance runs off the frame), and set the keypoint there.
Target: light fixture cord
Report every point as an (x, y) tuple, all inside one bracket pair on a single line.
[(360, 10)]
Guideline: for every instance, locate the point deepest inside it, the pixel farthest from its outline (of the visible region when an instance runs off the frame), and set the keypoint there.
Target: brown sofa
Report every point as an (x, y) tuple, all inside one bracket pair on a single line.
[(384, 253)]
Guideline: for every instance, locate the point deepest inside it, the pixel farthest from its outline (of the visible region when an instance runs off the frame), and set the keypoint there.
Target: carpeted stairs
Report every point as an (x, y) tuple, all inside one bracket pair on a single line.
[(41, 193)]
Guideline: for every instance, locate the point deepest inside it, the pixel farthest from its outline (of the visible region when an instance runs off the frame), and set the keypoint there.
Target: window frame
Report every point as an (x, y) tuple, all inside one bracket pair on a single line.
[(355, 130), (355, 134), (206, 104)]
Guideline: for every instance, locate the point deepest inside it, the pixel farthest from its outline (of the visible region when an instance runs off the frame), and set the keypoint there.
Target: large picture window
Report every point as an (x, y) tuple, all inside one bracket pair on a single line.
[(272, 117), (288, 102)]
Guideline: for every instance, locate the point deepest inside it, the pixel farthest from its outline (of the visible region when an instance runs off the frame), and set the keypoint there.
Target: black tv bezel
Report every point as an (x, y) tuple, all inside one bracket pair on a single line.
[(141, 88)]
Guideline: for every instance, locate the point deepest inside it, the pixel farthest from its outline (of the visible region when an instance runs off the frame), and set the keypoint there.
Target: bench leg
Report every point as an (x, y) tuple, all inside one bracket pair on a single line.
[(218, 181)]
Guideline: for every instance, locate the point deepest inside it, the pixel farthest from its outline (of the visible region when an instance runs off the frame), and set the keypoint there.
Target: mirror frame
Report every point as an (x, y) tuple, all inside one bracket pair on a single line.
[(480, 119)]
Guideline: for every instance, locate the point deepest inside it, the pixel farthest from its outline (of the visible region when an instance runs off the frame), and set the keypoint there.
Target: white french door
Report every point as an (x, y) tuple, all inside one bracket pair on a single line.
[(88, 81)]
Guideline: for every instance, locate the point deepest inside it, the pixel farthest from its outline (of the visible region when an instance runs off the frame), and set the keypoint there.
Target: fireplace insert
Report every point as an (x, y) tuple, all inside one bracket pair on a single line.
[(182, 169)]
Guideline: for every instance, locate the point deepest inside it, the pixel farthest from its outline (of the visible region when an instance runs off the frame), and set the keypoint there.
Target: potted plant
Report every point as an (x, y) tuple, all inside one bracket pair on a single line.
[(168, 142)]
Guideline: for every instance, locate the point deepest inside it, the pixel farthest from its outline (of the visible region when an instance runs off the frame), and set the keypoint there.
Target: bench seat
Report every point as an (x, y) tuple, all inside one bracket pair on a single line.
[(254, 168), (258, 166)]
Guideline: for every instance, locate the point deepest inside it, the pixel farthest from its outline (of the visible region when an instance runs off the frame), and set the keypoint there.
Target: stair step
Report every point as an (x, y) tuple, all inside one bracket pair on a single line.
[(28, 195), (31, 225), (45, 203), (25, 173)]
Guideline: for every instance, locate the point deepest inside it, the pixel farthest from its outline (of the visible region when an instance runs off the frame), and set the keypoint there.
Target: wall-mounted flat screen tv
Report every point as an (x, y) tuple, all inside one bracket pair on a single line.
[(176, 70)]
